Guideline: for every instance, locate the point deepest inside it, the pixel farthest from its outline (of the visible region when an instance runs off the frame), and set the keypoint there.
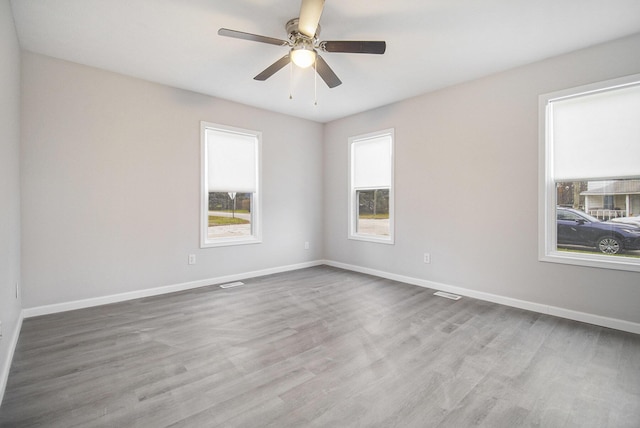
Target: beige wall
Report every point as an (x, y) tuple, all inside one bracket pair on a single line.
[(466, 177), (111, 179), (9, 186)]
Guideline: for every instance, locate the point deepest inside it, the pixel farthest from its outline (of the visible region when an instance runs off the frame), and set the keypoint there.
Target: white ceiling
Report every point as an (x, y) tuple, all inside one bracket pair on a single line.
[(431, 44)]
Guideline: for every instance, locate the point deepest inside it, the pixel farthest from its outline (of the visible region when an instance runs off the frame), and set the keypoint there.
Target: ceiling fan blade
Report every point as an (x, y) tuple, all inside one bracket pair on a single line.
[(354, 47), (273, 68), (310, 12), (326, 73), (253, 37)]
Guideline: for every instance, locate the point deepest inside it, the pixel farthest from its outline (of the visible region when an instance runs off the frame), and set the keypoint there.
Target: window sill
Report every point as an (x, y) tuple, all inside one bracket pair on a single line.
[(369, 238), (593, 260), (222, 242)]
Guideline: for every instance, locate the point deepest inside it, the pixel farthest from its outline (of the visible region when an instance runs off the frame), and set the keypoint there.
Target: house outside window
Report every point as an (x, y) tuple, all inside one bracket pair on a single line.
[(589, 199), (230, 207), (371, 187), (612, 198)]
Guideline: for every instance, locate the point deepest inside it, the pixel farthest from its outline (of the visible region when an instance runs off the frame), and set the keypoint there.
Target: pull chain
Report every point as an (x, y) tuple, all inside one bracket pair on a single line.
[(315, 81), (291, 80)]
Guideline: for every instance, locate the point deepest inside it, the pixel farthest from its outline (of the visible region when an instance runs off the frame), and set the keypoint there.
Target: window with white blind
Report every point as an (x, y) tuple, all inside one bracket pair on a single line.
[(230, 208), (590, 175), (371, 187)]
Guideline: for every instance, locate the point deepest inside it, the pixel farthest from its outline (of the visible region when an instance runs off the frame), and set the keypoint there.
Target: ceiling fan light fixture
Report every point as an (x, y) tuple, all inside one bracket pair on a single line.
[(303, 44), (303, 55)]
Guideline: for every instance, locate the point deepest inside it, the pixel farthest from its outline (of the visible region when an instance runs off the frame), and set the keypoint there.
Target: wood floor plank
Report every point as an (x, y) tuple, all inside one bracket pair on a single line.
[(319, 347)]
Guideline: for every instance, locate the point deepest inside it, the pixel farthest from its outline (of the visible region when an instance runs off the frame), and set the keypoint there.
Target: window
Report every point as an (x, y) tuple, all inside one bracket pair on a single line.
[(590, 175), (230, 207), (371, 187)]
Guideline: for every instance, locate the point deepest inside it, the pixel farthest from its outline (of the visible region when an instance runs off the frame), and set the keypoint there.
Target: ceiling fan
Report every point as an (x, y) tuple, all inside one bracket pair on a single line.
[(304, 45)]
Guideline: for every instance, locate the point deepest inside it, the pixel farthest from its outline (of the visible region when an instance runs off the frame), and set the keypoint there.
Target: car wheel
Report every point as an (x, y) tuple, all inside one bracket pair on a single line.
[(609, 245)]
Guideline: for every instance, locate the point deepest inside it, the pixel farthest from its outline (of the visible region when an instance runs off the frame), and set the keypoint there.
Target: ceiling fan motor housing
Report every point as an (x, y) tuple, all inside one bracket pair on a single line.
[(295, 35)]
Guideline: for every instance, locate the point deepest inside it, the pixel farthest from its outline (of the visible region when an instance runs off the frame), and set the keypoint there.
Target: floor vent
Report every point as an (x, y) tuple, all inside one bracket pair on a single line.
[(447, 295), (231, 284)]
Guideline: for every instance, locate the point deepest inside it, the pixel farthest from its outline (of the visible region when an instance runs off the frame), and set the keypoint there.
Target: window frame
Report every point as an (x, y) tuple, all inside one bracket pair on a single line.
[(547, 223), (353, 199), (256, 203)]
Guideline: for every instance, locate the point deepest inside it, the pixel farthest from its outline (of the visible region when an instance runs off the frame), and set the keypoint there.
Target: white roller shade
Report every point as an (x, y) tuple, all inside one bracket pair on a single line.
[(596, 135), (372, 162), (231, 161)]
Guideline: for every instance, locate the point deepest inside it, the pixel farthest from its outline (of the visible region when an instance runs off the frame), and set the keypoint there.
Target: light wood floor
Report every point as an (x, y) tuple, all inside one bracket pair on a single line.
[(319, 347)]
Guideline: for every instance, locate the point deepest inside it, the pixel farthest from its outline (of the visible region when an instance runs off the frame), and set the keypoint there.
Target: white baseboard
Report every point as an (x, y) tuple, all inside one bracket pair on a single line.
[(6, 367), (508, 301), (114, 298), (599, 320)]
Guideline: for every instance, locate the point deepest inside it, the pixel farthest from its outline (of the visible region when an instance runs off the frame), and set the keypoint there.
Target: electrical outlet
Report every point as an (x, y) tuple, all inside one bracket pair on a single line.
[(306, 245), (192, 259), (427, 258)]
